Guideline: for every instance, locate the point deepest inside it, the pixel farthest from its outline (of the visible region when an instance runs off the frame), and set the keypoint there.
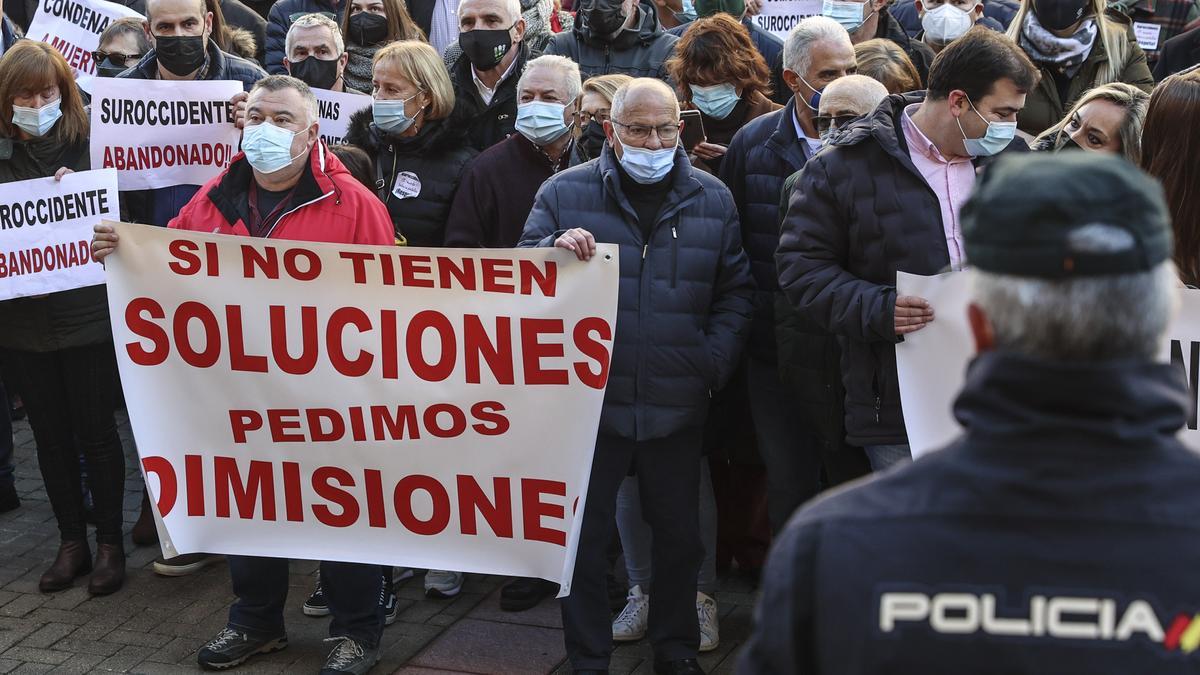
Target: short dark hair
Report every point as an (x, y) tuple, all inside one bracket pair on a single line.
[(357, 162), (978, 60)]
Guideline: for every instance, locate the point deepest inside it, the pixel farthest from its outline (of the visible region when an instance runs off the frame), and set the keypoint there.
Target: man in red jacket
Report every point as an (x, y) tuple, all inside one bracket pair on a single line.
[(287, 185)]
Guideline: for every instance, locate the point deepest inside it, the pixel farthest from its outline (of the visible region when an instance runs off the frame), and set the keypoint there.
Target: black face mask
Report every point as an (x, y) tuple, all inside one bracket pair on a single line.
[(107, 68), (603, 18), (485, 48), (1065, 142), (180, 54), (592, 139), (1059, 14), (368, 29), (316, 73)]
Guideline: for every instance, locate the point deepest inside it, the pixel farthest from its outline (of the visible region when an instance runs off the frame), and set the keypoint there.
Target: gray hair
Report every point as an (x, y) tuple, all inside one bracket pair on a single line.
[(315, 21), (281, 82), (617, 108), (567, 69), (513, 7), (865, 93), (797, 50), (1081, 318)]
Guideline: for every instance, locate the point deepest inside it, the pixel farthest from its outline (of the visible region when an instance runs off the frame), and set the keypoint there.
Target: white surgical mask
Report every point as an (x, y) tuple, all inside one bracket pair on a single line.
[(541, 121), (852, 15), (268, 148), (647, 166), (946, 23), (37, 121)]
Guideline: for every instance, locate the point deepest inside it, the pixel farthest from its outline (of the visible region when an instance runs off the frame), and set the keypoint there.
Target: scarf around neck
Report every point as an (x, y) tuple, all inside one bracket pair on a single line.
[(1067, 53)]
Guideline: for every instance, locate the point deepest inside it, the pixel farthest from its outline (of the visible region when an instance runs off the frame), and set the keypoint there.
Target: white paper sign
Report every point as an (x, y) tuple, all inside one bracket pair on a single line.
[(46, 232), (779, 17), (433, 408), (932, 362), (336, 107), (1147, 35), (73, 27), (162, 133)]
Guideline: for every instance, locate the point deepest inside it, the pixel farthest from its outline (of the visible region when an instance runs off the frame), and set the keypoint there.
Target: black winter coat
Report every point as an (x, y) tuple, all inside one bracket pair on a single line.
[(760, 157), (60, 320), (684, 305), (1179, 53), (640, 53), (488, 123), (1069, 485), (430, 165), (280, 19), (860, 212)]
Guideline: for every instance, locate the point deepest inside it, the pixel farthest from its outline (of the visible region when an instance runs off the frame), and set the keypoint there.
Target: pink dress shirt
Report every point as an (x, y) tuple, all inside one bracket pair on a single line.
[(951, 181)]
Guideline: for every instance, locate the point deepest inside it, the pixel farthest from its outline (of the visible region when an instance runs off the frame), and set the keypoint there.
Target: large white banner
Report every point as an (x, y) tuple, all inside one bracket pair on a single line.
[(779, 17), (73, 27), (46, 232), (433, 408), (162, 133), (932, 362), (335, 110)]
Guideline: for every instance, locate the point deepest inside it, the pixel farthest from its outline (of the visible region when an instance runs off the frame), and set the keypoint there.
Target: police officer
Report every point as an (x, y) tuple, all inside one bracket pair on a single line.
[(1058, 534)]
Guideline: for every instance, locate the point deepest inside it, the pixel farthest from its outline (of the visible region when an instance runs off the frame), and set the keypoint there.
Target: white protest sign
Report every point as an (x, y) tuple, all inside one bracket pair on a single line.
[(335, 110), (73, 27), (46, 232), (932, 362), (1147, 35), (433, 408), (163, 133), (779, 17)]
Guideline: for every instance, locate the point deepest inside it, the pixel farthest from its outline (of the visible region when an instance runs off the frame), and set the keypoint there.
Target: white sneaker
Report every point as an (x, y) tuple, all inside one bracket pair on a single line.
[(631, 623), (706, 613), (440, 584)]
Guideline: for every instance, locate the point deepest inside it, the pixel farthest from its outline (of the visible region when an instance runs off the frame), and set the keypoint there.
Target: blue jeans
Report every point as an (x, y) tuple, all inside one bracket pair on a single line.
[(6, 440), (883, 456), (352, 591)]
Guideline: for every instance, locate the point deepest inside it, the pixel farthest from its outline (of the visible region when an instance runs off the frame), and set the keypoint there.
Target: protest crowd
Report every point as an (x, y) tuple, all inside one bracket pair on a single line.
[(764, 181)]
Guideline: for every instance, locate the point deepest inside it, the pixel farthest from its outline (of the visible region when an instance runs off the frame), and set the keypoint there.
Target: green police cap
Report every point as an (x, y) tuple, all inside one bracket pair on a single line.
[(1025, 212)]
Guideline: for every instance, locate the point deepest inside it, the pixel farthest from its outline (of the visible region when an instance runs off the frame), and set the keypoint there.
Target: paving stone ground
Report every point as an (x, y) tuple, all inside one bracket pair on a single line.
[(155, 624)]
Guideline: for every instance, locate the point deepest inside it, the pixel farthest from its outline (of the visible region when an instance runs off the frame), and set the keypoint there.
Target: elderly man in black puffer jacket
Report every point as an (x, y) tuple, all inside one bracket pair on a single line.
[(683, 314), (885, 197)]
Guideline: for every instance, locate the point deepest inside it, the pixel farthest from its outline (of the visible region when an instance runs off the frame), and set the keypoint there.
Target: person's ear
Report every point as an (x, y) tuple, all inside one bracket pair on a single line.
[(920, 7), (208, 23), (878, 5), (520, 28), (342, 61), (981, 329), (287, 65), (957, 98), (146, 29), (791, 80)]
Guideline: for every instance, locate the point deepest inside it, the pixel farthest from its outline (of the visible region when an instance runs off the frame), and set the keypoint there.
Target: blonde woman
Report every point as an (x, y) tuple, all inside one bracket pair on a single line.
[(1077, 47), (1106, 119)]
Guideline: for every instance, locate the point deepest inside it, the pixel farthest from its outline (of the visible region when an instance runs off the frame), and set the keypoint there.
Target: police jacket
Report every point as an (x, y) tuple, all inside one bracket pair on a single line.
[(637, 53), (1060, 534), (684, 304)]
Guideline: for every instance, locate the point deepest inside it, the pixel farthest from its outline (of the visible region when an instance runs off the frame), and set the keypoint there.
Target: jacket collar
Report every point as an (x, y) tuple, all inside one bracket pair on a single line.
[(1021, 404), (784, 141), (231, 193), (684, 186)]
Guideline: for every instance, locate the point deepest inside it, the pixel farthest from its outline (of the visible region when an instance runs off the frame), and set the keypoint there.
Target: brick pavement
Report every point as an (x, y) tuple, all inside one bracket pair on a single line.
[(155, 624)]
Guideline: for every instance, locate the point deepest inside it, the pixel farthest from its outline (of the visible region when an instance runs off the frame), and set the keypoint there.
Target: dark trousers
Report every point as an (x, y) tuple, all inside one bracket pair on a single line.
[(352, 591), (6, 439), (790, 449), (69, 397), (668, 473)]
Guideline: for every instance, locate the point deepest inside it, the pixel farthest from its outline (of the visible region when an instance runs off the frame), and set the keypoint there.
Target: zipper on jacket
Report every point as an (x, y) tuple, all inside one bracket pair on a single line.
[(645, 250), (674, 257)]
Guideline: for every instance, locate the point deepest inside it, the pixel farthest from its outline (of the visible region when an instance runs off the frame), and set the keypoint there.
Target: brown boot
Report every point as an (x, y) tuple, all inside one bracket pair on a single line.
[(74, 560), (109, 572), (144, 532)]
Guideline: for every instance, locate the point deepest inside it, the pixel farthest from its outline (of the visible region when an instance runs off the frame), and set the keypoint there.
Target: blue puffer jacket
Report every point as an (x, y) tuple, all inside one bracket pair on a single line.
[(760, 157), (280, 19), (683, 312)]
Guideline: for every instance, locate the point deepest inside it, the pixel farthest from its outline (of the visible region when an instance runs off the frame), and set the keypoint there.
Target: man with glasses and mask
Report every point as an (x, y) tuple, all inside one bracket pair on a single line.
[(616, 36), (122, 46), (885, 195), (761, 155), (316, 53), (286, 185), (684, 311), (491, 35)]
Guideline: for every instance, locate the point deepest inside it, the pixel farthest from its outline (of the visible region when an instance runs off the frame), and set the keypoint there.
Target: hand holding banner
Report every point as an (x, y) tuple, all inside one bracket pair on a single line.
[(430, 408), (73, 27), (45, 230), (160, 134)]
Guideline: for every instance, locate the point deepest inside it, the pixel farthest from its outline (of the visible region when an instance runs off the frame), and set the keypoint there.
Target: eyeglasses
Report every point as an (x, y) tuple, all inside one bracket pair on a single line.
[(667, 133), (127, 60), (584, 117), (826, 123)]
